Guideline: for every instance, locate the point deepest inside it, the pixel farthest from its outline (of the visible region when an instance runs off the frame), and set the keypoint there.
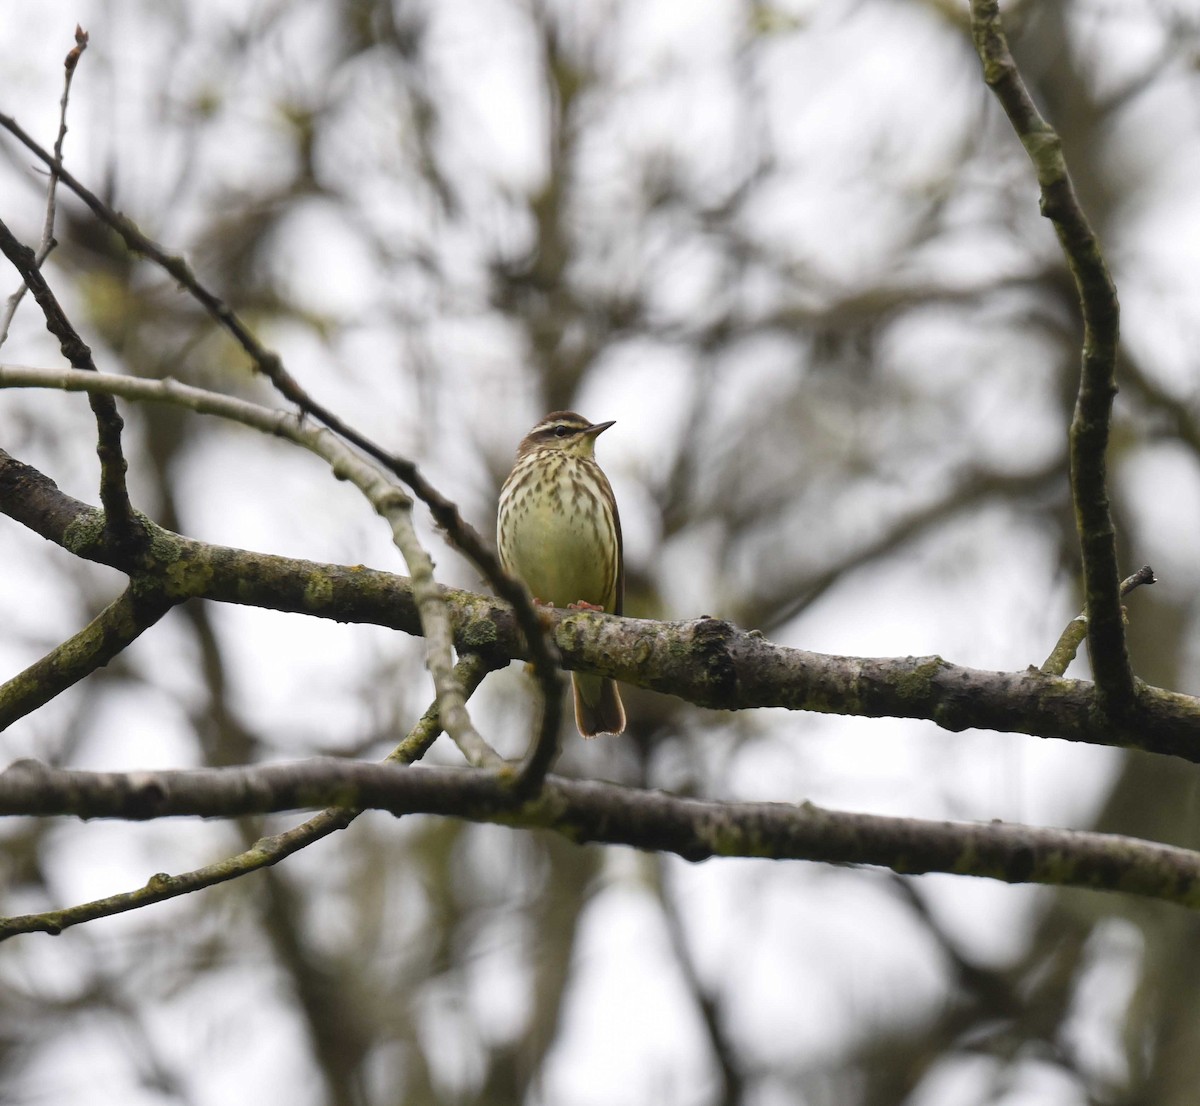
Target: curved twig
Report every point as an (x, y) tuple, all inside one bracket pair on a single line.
[(1072, 636), (1089, 434), (70, 63)]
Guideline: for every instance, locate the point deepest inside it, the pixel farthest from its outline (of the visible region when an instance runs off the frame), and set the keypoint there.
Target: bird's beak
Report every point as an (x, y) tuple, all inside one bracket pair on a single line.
[(598, 428)]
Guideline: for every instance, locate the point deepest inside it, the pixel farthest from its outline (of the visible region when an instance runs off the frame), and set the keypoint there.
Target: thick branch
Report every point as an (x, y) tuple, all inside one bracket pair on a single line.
[(705, 661), (1097, 385), (587, 811)]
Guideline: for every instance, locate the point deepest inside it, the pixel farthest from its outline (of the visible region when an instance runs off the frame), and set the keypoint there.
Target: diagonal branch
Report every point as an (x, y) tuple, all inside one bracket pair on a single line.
[(1089, 435), (650, 820), (121, 622), (118, 511), (1072, 636), (450, 709)]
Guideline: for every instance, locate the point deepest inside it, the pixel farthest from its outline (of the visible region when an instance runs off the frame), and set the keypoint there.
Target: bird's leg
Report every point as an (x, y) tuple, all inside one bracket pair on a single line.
[(544, 612)]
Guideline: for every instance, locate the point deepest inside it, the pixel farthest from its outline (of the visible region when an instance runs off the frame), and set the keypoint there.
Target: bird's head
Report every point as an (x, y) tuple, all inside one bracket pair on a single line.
[(566, 431)]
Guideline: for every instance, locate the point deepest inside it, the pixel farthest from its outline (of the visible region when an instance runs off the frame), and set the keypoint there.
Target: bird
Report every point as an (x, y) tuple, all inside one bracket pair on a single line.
[(558, 531)]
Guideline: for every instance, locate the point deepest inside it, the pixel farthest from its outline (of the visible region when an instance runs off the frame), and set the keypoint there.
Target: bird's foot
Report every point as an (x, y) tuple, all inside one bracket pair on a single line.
[(544, 612)]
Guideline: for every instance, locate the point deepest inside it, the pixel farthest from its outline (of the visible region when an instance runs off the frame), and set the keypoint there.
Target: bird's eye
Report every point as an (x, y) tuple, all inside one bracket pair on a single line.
[(561, 432)]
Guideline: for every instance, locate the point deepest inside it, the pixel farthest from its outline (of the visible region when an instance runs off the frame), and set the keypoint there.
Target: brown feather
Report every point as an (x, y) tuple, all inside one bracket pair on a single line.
[(566, 552)]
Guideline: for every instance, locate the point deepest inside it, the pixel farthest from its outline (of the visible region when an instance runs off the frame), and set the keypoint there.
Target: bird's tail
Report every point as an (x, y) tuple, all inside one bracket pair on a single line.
[(598, 706)]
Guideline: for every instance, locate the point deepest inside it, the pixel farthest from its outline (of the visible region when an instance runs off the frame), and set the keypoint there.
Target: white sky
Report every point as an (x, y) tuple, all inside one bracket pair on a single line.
[(814, 953)]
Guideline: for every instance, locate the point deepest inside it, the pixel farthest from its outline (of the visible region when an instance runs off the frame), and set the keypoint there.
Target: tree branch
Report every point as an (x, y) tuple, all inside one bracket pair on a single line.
[(385, 497), (705, 661), (118, 511), (1072, 636), (588, 811), (121, 622), (1115, 687)]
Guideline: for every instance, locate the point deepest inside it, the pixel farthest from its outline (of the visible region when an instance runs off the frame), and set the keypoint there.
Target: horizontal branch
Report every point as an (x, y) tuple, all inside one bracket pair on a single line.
[(606, 813), (705, 661)]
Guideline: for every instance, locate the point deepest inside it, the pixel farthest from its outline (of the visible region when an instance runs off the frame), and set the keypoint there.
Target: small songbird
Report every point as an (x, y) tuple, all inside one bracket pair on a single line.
[(558, 530)]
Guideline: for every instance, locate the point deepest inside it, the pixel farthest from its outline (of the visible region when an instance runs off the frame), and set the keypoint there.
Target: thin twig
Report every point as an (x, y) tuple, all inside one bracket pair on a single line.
[(1072, 637), (262, 854), (47, 243), (119, 514), (1089, 434), (439, 635)]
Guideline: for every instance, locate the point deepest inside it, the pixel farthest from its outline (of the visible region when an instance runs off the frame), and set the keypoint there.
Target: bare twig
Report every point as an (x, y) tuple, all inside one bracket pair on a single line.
[(119, 514), (439, 639), (47, 243), (1115, 688), (1072, 637)]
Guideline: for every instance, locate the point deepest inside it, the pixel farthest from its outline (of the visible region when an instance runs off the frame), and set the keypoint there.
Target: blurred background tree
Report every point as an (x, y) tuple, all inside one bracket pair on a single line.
[(794, 251)]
